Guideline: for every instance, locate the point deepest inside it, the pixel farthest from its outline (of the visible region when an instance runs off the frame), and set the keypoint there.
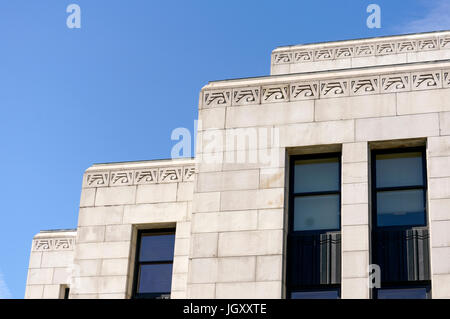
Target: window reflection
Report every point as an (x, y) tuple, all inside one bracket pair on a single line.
[(400, 208), (316, 212), (400, 189), (316, 175), (399, 169)]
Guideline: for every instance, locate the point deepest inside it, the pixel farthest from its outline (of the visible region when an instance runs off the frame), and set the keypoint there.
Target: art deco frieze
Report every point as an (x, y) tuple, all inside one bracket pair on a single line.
[(146, 176), (329, 88), (153, 175), (100, 179), (283, 58), (170, 174), (406, 46), (50, 244), (334, 88), (121, 178), (428, 44), (324, 54), (394, 46), (275, 93), (395, 83), (304, 56), (246, 96), (365, 85), (426, 80), (218, 98), (344, 52), (386, 48), (304, 90)]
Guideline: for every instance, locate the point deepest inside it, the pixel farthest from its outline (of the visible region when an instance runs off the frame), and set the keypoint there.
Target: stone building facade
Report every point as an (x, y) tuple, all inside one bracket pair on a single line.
[(237, 209)]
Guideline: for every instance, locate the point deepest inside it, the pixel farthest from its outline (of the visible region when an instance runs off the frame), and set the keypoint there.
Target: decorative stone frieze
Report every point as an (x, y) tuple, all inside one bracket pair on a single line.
[(50, 244), (330, 52), (329, 88), (151, 175)]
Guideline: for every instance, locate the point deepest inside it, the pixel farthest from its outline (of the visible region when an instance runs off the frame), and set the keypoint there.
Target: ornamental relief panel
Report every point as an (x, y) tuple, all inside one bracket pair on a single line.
[(217, 98), (304, 56), (97, 180), (51, 244), (386, 48), (304, 91), (146, 176), (152, 175), (121, 178), (340, 87), (395, 83), (344, 52), (361, 50), (170, 174), (246, 96), (364, 50), (428, 44), (282, 58), (334, 88), (275, 93), (406, 46), (426, 81), (362, 86), (324, 54)]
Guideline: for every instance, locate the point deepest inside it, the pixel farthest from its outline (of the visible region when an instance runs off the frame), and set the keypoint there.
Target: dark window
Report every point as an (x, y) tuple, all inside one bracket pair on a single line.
[(404, 293), (316, 294), (314, 242), (400, 239), (66, 293), (154, 260)]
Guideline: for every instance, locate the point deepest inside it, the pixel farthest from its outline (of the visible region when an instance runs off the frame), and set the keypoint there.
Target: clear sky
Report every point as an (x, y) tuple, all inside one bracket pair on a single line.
[(116, 88)]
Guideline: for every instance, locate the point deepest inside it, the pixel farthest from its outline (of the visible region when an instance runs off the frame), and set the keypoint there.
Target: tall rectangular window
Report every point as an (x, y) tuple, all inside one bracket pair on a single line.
[(400, 237), (154, 260), (313, 250)]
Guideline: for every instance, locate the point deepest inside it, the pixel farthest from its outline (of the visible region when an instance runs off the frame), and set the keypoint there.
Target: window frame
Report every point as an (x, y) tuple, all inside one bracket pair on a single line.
[(137, 264), (374, 189), (291, 213)]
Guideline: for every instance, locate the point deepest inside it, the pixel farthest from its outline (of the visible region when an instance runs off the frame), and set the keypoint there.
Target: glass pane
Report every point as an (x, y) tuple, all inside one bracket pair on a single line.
[(156, 247), (404, 207), (402, 293), (316, 212), (318, 294), (316, 175), (402, 169), (155, 278)]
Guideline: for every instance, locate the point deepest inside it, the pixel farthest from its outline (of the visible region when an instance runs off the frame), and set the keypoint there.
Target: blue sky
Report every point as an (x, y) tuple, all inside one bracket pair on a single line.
[(116, 88)]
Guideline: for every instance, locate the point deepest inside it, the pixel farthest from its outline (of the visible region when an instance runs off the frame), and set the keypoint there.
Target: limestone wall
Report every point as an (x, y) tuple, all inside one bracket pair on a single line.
[(51, 264), (116, 201), (352, 110)]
